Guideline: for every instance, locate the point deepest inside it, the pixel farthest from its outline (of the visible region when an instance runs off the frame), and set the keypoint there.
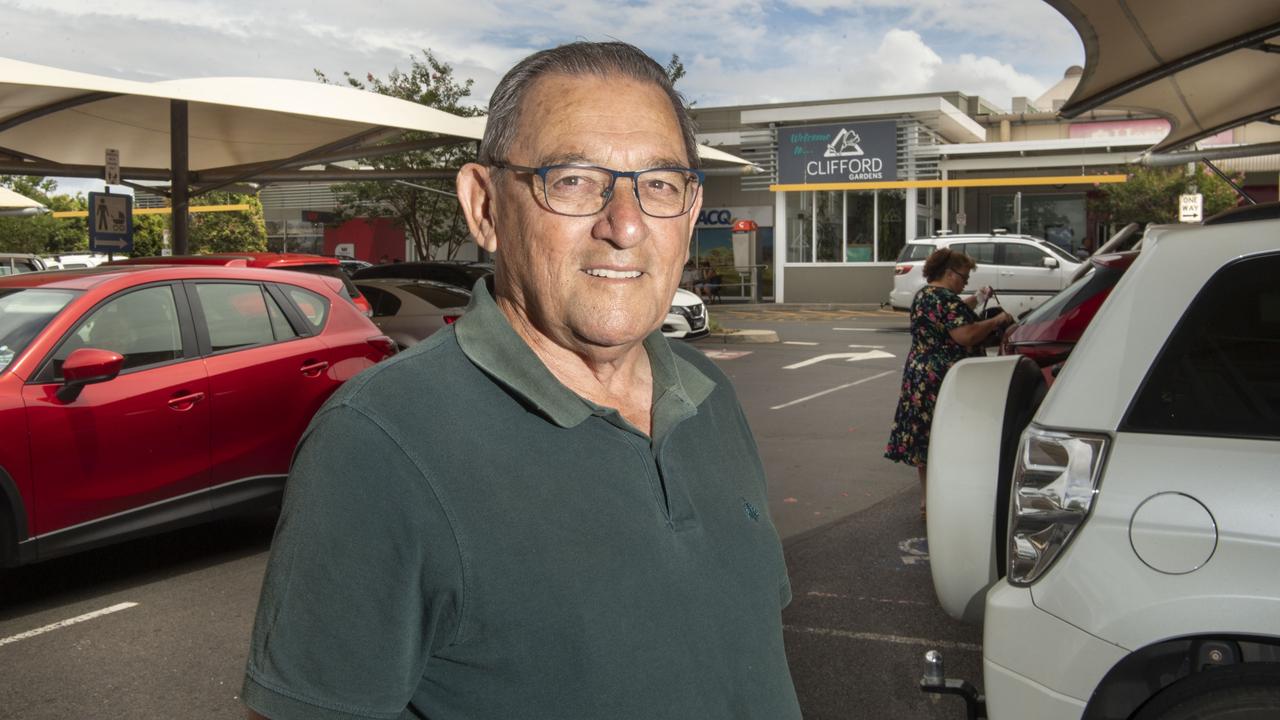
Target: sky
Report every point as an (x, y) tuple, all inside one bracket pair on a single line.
[(733, 52)]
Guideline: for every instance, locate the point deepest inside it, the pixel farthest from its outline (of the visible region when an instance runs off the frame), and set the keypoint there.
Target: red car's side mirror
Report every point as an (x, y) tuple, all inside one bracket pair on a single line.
[(87, 366)]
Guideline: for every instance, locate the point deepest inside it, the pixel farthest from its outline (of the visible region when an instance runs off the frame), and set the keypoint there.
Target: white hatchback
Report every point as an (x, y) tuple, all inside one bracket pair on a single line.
[(1025, 271)]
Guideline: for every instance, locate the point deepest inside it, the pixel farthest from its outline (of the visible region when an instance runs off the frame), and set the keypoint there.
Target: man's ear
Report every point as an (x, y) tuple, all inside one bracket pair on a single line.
[(476, 194)]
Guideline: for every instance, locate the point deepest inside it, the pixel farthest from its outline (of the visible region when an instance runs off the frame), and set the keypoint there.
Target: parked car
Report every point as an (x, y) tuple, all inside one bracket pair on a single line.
[(134, 399), (350, 266), (14, 263), (408, 311), (1117, 535), (72, 261), (1049, 333), (687, 318), (461, 274), (300, 262), (1024, 271)]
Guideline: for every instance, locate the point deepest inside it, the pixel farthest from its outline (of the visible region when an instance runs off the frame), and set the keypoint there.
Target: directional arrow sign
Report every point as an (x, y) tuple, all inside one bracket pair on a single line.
[(847, 357), (110, 222)]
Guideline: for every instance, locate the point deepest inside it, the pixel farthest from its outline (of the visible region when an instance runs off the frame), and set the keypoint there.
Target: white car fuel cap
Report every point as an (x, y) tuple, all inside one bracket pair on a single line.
[(1173, 533)]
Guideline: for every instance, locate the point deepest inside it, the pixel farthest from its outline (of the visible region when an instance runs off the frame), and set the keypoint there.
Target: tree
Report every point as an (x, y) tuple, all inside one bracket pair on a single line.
[(43, 234), (1151, 195), (428, 209), (228, 232)]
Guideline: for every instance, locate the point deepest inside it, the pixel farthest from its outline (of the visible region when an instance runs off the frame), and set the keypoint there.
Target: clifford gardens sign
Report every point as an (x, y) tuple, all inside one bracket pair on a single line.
[(846, 152)]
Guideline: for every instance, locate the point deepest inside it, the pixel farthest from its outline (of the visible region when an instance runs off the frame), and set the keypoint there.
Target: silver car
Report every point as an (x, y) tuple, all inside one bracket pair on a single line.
[(409, 310)]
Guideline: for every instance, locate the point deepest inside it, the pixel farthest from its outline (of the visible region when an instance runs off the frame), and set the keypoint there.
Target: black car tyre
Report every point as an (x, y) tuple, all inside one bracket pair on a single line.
[(1242, 692)]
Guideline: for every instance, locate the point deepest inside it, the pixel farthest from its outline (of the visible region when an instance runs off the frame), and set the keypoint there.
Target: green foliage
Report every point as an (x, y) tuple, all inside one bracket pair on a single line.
[(148, 234), (1151, 195), (432, 217), (43, 234), (221, 232)]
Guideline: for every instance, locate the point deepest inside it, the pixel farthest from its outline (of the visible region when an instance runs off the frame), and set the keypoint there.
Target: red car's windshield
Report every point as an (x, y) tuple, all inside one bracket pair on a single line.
[(24, 312)]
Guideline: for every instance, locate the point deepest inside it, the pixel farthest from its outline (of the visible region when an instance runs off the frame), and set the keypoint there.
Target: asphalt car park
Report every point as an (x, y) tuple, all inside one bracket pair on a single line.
[(160, 627)]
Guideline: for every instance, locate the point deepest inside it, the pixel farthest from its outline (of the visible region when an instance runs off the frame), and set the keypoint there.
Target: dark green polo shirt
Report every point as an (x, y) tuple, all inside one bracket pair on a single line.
[(464, 538)]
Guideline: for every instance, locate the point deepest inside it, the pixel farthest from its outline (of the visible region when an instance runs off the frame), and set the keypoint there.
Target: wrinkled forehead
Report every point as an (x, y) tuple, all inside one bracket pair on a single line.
[(598, 120)]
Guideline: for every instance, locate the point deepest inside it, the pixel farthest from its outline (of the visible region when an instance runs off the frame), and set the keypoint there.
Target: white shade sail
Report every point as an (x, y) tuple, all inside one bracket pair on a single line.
[(1205, 66), (10, 200), (71, 118)]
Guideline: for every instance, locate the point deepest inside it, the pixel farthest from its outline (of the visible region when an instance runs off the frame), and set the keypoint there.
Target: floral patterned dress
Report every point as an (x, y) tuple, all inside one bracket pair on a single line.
[(935, 311)]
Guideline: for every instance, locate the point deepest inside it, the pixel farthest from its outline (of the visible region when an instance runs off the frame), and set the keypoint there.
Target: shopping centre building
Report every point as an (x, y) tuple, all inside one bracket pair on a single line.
[(847, 182)]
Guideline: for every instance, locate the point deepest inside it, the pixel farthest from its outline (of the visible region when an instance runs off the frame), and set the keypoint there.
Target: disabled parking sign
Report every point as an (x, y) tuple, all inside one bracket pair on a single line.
[(110, 223)]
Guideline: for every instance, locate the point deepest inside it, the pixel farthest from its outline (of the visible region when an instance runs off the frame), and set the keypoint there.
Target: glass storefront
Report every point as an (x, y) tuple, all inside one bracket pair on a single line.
[(845, 226), (297, 236), (1059, 218)]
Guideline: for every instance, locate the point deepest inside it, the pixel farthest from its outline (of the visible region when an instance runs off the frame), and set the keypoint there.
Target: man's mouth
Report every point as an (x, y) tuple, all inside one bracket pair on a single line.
[(613, 274)]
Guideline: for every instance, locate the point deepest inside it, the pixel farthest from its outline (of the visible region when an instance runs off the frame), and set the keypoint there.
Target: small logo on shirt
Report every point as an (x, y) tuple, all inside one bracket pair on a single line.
[(750, 510)]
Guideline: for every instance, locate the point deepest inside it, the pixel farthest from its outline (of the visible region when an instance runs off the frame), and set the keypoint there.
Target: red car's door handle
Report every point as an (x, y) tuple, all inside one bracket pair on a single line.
[(185, 401), (313, 368)]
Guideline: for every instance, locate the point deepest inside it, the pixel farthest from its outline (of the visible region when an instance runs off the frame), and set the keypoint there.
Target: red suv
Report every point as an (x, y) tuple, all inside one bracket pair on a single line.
[(301, 262), (1048, 334), (134, 398)]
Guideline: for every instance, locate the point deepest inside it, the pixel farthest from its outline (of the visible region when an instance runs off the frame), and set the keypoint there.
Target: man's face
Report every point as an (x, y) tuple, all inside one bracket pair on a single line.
[(606, 280)]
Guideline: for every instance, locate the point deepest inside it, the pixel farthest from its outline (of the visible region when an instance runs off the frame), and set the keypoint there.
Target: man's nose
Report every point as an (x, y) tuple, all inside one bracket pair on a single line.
[(622, 223)]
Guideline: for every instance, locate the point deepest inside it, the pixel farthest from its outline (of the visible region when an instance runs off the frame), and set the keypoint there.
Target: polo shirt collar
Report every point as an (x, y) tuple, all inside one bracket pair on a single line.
[(488, 340)]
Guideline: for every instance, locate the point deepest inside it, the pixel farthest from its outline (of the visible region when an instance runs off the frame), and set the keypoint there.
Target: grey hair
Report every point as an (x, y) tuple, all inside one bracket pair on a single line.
[(602, 59)]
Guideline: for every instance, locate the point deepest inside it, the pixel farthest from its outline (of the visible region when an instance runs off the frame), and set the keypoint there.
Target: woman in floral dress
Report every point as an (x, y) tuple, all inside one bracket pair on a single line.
[(944, 330)]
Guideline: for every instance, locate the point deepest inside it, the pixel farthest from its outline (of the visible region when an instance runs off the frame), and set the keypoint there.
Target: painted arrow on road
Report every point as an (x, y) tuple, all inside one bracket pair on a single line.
[(847, 357)]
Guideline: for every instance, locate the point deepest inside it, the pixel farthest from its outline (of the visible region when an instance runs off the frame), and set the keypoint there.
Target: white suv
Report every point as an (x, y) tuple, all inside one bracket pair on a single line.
[(1025, 271), (1119, 536)]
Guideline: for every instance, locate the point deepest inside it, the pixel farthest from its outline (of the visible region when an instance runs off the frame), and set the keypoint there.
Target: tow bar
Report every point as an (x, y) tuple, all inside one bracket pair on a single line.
[(935, 681)]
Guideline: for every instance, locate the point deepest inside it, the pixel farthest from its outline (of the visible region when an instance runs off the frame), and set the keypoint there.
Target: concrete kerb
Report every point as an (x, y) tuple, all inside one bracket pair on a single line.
[(736, 337)]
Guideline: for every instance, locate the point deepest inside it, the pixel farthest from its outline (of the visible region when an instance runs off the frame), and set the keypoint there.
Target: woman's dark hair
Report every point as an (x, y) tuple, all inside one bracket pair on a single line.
[(944, 259)]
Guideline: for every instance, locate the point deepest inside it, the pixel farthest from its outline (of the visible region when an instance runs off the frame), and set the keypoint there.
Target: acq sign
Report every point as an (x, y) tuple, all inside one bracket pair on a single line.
[(715, 216)]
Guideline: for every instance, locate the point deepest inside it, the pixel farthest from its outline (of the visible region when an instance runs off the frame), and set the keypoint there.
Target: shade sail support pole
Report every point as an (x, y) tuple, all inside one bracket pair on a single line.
[(179, 155)]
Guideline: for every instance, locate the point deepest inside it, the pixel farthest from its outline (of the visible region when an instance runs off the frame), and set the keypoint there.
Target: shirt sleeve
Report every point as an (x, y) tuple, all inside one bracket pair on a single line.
[(363, 584)]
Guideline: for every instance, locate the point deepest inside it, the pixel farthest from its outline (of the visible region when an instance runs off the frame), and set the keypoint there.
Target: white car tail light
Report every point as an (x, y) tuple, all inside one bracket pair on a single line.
[(1054, 483)]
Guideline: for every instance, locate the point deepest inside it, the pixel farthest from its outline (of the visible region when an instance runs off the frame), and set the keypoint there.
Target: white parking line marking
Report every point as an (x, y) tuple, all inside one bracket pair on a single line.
[(876, 347), (879, 637), (64, 623), (847, 357), (864, 598), (841, 387), (726, 354), (797, 342)]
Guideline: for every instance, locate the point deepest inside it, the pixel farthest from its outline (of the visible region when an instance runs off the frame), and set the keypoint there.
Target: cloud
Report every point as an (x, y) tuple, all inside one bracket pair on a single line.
[(735, 52)]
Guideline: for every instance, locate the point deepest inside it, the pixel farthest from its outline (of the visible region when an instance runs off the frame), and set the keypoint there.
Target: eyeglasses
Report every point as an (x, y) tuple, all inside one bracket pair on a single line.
[(582, 190), (963, 276)]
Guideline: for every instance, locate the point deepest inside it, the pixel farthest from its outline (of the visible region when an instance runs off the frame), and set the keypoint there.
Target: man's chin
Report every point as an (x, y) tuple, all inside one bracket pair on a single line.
[(619, 335)]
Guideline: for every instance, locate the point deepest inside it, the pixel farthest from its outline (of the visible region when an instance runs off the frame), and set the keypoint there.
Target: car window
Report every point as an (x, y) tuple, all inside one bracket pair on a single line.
[(13, 266), (915, 251), (983, 252), (23, 314), (1216, 374), (384, 304), (1098, 279), (142, 325), (1023, 256), (279, 322), (314, 307), (438, 296), (239, 315)]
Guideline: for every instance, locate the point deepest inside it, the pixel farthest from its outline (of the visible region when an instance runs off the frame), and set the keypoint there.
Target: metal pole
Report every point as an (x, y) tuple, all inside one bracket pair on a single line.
[(178, 153)]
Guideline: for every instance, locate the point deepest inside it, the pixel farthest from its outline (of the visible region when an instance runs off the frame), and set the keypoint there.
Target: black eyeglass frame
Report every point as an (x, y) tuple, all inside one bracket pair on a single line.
[(544, 170)]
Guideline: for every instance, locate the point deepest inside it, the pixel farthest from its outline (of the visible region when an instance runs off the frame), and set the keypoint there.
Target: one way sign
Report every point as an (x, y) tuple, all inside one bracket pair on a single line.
[(110, 223)]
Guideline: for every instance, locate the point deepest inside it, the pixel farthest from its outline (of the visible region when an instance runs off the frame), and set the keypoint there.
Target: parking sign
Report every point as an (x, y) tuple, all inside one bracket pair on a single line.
[(110, 223)]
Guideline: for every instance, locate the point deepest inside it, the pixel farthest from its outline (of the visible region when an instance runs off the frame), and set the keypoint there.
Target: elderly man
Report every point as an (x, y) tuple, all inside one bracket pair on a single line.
[(546, 511)]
